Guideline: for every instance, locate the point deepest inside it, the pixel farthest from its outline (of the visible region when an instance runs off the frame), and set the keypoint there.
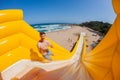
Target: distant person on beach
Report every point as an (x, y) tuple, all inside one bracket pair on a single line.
[(43, 45)]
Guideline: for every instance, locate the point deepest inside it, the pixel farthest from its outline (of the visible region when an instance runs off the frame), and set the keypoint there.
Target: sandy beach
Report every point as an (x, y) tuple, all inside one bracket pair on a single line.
[(67, 38)]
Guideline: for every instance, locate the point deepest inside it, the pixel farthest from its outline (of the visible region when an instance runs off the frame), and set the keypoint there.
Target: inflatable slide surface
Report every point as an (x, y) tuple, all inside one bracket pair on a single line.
[(21, 60)]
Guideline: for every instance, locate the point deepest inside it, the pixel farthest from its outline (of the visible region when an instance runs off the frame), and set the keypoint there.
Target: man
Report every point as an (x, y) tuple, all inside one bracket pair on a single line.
[(43, 45)]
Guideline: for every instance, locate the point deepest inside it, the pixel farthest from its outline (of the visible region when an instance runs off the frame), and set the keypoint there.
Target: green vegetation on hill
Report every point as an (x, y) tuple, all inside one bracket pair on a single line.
[(100, 26)]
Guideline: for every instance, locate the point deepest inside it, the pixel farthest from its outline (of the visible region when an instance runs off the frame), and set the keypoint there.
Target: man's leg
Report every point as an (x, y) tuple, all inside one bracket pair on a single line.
[(47, 57), (49, 53)]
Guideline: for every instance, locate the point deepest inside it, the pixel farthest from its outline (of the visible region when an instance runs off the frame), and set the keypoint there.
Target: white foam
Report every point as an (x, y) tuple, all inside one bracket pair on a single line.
[(51, 28)]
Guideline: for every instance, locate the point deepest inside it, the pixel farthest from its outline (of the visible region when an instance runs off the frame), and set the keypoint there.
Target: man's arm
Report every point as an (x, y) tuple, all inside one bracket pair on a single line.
[(49, 44), (39, 49)]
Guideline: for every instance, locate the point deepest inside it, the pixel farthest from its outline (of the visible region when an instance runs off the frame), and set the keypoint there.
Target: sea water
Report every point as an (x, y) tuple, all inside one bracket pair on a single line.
[(50, 27)]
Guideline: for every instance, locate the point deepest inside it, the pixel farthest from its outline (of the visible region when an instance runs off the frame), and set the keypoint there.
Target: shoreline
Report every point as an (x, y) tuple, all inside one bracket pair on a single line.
[(68, 37)]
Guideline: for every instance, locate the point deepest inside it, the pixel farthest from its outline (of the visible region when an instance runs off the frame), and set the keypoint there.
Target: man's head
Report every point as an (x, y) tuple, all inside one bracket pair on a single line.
[(42, 35)]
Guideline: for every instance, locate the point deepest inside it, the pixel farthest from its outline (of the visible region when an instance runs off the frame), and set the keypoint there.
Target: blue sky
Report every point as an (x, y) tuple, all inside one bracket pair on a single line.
[(62, 11)]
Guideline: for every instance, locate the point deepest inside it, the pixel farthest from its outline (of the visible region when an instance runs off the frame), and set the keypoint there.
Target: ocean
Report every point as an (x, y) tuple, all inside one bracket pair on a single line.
[(50, 27)]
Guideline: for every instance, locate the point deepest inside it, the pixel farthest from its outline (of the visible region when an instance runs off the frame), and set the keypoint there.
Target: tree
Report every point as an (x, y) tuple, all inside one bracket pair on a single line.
[(100, 26)]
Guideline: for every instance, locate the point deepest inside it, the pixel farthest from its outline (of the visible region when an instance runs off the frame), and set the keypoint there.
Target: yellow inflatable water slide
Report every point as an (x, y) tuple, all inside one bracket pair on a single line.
[(21, 60)]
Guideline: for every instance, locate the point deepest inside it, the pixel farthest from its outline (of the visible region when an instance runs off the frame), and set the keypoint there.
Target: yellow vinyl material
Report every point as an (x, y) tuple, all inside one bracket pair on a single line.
[(103, 62), (18, 40)]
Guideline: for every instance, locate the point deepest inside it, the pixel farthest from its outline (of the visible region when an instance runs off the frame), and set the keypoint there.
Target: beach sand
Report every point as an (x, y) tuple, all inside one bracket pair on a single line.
[(67, 38)]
